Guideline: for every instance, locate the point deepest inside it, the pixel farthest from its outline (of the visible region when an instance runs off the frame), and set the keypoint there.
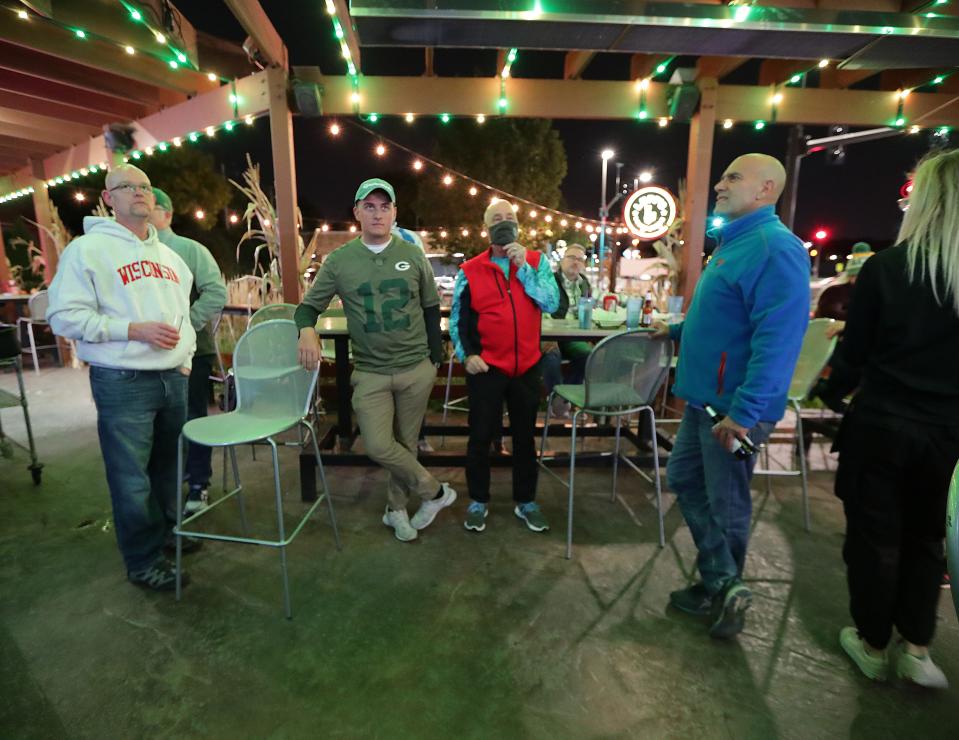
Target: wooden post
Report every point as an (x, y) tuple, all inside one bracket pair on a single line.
[(5, 275), (699, 161), (284, 181), (41, 214)]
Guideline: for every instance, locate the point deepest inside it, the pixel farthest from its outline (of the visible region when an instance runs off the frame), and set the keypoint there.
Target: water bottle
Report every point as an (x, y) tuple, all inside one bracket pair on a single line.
[(585, 313), (743, 446), (634, 307)]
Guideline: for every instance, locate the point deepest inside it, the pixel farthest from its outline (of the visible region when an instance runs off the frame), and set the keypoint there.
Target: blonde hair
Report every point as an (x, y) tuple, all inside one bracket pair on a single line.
[(931, 226)]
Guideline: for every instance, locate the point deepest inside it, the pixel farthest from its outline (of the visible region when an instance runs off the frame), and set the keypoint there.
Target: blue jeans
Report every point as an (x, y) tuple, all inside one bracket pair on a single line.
[(712, 487), (198, 469), (576, 353), (139, 417)]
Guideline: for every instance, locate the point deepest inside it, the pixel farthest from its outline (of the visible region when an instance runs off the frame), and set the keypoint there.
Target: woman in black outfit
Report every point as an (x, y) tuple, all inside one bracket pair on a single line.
[(899, 442)]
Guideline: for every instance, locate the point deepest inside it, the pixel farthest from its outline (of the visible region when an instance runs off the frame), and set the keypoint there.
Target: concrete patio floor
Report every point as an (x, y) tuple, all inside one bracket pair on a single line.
[(461, 635)]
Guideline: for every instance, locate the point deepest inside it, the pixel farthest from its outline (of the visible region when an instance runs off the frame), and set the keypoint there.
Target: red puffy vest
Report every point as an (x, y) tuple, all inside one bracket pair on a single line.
[(509, 321)]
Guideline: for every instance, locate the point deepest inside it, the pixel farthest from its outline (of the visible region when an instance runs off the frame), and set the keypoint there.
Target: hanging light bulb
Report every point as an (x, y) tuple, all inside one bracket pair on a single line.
[(161, 39), (380, 150), (410, 118), (473, 190), (234, 218), (417, 165), (447, 180), (334, 129), (129, 50), (199, 215)]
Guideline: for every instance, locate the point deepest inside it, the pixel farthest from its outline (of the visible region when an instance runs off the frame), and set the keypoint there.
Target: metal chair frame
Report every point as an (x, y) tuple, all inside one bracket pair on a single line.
[(570, 483), (802, 382), (37, 305), (283, 540)]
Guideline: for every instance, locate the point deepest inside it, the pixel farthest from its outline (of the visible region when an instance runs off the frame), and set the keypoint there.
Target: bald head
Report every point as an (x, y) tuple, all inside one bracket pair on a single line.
[(749, 183), (125, 173)]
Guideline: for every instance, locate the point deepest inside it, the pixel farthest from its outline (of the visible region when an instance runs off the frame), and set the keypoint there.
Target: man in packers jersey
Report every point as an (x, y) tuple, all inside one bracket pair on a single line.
[(393, 318)]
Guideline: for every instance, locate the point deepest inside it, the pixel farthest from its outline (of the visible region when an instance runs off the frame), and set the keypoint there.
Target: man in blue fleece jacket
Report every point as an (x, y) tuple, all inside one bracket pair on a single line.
[(738, 349)]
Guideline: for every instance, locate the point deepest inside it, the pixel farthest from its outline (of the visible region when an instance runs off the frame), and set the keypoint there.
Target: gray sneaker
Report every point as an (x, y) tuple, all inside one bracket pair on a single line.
[(920, 671), (693, 600), (161, 576), (530, 513), (731, 619), (476, 517), (400, 522), (428, 510)]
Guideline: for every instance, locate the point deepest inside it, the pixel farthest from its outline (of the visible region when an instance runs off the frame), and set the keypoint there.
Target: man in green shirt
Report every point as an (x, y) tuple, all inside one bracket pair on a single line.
[(206, 302), (393, 317)]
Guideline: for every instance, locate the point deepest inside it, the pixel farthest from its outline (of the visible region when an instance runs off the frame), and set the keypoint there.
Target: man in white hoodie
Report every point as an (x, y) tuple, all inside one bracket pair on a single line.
[(124, 297)]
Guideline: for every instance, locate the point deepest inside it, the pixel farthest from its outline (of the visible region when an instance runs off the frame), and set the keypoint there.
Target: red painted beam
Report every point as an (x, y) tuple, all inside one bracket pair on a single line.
[(41, 107), (61, 93)]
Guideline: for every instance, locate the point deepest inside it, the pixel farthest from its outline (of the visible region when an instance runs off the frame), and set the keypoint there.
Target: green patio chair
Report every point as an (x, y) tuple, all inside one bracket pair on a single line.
[(624, 372), (271, 312), (273, 394), (952, 536), (815, 353)]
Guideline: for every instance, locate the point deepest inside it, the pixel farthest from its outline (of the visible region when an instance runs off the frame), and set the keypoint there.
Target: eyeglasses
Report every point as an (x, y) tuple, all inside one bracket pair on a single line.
[(129, 187), (576, 259)]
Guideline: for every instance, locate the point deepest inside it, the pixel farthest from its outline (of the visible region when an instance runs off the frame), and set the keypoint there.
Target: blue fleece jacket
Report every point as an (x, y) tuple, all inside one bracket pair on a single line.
[(745, 325)]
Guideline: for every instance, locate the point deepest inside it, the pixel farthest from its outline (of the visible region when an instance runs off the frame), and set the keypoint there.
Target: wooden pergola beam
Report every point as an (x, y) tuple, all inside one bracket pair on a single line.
[(27, 148), (88, 79), (255, 21), (57, 92), (49, 108), (718, 67), (30, 122), (143, 68), (616, 100), (576, 63), (843, 78), (778, 71), (641, 66), (350, 37)]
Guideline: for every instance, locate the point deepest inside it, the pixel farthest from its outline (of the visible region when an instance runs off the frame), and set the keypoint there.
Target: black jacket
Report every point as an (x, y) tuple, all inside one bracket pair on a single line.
[(904, 342), (560, 313)]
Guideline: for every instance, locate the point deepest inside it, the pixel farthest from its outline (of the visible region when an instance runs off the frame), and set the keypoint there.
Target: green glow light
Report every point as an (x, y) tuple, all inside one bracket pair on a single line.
[(193, 136), (939, 80), (374, 117), (80, 33), (660, 69), (228, 125), (943, 130), (162, 146), (445, 117), (181, 57), (502, 103), (173, 64), (759, 125), (642, 115), (135, 15), (795, 79), (900, 121)]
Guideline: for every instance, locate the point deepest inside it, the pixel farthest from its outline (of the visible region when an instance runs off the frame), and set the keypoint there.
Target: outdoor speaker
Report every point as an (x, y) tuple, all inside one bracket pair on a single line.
[(682, 101), (119, 137), (308, 98)]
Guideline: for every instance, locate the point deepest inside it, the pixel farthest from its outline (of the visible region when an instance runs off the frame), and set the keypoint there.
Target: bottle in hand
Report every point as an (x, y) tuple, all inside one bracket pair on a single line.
[(743, 447)]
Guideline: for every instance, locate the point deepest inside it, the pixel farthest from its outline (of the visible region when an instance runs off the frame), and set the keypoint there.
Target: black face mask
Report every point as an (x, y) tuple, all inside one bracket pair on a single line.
[(503, 233)]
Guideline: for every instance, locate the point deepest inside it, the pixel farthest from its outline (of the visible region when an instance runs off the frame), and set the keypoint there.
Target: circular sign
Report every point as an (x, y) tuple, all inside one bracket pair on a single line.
[(649, 212)]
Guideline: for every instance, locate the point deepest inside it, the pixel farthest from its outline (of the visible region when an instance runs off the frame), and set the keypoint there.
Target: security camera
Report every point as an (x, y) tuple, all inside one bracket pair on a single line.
[(253, 53)]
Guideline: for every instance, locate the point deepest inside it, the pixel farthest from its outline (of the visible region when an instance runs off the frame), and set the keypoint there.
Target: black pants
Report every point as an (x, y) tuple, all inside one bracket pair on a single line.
[(893, 479), (198, 460), (487, 391)]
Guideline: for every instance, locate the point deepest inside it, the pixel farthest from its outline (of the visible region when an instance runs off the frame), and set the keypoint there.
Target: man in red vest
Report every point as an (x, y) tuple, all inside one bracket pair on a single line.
[(498, 304)]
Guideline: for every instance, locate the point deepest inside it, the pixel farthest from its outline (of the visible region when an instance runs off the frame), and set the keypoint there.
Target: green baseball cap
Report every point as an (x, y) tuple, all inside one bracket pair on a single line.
[(163, 200), (368, 186)]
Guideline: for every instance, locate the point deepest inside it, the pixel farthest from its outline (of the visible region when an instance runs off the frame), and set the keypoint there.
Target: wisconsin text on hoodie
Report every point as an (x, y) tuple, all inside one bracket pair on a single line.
[(145, 268)]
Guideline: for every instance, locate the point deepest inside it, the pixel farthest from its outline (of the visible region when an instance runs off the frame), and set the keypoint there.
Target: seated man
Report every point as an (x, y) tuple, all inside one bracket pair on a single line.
[(572, 285)]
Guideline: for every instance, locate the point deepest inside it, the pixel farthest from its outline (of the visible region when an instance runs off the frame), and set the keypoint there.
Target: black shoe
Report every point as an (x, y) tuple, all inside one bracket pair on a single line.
[(190, 544), (161, 576), (694, 600), (731, 604)]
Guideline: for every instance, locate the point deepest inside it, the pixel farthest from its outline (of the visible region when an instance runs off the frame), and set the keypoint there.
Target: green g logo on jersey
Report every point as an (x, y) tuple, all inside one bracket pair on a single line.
[(394, 294), (403, 266)]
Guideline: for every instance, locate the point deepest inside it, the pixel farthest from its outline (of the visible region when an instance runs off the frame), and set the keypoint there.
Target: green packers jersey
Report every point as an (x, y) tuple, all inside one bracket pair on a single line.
[(383, 297)]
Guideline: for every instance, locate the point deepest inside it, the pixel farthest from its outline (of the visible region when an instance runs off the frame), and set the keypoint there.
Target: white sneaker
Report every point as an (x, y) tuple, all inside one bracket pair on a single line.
[(197, 500), (423, 445), (920, 671), (428, 510), (400, 522), (855, 647)]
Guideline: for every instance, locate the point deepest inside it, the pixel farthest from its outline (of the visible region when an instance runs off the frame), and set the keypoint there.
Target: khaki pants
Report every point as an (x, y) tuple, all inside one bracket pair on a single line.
[(390, 409)]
